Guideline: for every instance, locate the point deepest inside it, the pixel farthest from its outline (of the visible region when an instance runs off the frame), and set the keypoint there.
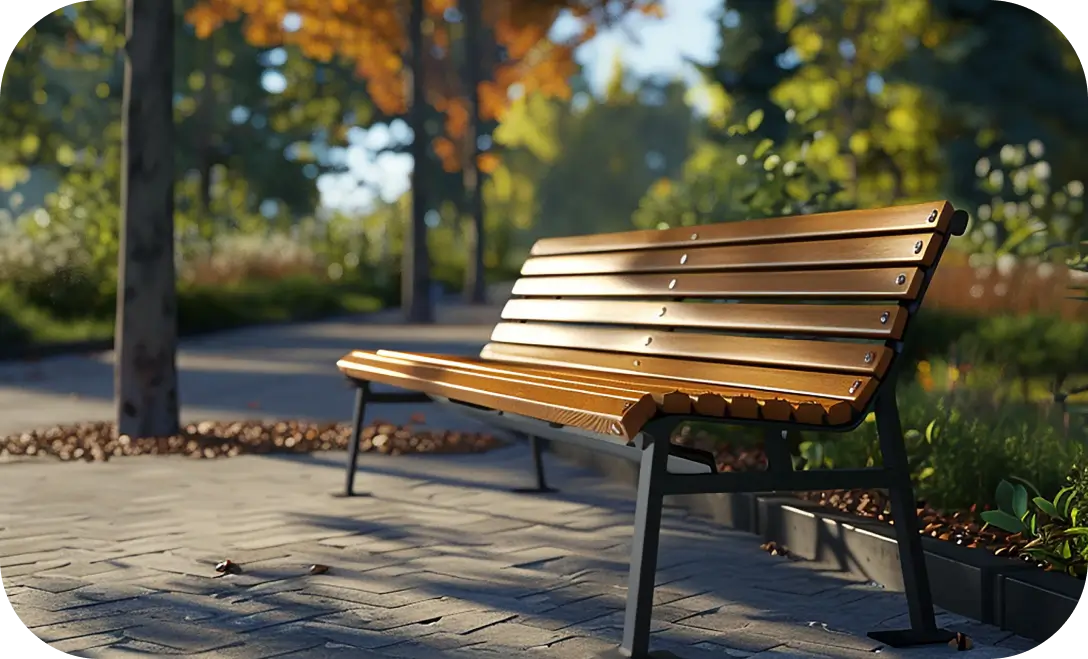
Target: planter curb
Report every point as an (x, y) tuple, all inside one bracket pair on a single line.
[(1007, 593)]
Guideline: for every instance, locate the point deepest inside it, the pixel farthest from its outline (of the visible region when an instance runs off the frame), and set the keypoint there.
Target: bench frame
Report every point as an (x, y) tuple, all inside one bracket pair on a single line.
[(658, 478)]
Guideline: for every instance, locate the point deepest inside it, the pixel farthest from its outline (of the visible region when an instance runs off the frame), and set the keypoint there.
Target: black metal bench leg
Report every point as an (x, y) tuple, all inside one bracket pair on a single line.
[(361, 395), (923, 625), (638, 615), (537, 448)]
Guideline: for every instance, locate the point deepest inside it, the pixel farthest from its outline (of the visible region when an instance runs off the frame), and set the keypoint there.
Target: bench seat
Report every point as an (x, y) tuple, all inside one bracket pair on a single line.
[(611, 402)]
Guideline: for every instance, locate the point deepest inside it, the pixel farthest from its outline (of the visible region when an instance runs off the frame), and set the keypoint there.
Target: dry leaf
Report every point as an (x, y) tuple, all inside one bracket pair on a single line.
[(228, 567), (961, 642)]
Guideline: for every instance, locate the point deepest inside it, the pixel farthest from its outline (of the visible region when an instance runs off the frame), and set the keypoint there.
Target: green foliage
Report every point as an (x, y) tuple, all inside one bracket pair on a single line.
[(1029, 212), (1056, 528), (613, 149), (749, 177), (201, 308), (1031, 347), (961, 444)]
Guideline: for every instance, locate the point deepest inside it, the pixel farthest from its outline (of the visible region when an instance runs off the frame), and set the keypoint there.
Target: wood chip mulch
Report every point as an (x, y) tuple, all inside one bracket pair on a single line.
[(98, 442), (961, 527)]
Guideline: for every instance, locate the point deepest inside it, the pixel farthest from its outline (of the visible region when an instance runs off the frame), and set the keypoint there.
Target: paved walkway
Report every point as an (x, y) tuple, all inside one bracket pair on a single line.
[(104, 560)]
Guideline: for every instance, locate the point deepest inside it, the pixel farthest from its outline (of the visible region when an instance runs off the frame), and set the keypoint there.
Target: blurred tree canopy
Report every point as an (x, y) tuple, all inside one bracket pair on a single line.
[(871, 103), (807, 105)]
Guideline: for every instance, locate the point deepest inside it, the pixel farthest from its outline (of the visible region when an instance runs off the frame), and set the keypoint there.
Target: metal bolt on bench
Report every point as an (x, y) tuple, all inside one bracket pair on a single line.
[(609, 342)]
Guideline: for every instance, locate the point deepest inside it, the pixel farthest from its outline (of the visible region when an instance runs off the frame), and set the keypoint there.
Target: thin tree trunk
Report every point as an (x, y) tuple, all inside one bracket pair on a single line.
[(475, 271), (145, 372), (416, 284)]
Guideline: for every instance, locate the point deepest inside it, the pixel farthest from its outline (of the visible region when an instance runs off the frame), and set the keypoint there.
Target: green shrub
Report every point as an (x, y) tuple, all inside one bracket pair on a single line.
[(1056, 528), (961, 444)]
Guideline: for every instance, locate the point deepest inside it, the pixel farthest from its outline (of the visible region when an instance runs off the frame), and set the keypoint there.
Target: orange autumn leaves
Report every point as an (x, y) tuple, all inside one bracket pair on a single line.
[(372, 35)]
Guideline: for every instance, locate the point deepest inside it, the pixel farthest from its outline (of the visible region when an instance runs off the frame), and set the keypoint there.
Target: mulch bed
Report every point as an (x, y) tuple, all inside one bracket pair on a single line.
[(98, 442), (961, 527)]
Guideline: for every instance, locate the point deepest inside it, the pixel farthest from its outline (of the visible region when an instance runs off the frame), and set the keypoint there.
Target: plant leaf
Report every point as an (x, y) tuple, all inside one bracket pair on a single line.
[(754, 120), (1004, 521), (931, 432), (762, 148), (1003, 496), (1029, 485), (1019, 500), (1063, 499), (1047, 507)]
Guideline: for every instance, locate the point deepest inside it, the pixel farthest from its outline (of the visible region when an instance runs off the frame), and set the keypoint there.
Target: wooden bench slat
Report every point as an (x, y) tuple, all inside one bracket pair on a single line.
[(865, 284), (669, 399), (856, 390), (862, 321), (865, 359), (916, 249), (609, 414), (701, 398), (842, 224)]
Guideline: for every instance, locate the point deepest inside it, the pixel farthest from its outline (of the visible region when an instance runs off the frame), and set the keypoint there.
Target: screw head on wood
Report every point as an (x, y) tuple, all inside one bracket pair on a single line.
[(695, 236), (918, 247), (901, 279), (637, 362), (933, 216), (884, 318), (683, 259), (854, 387), (672, 284), (869, 357)]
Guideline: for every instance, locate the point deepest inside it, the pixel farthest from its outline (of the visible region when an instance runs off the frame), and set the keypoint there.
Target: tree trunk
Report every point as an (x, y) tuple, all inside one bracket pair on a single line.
[(416, 284), (145, 371), (475, 271)]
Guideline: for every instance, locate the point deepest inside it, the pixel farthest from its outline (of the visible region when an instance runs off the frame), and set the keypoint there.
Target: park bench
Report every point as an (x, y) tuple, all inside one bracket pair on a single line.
[(613, 341)]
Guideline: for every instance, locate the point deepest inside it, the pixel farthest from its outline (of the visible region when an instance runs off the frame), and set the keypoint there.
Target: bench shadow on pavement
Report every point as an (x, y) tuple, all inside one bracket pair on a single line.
[(579, 595)]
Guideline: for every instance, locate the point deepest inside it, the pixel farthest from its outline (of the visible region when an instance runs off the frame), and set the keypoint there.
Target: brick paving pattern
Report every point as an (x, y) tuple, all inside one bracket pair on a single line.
[(441, 561)]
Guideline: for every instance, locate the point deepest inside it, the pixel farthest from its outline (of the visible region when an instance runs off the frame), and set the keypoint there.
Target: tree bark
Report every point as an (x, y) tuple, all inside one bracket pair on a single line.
[(145, 371), (475, 291), (416, 280)]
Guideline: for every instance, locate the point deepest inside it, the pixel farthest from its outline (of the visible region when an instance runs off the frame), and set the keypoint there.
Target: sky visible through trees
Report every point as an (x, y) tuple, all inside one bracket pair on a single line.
[(646, 46)]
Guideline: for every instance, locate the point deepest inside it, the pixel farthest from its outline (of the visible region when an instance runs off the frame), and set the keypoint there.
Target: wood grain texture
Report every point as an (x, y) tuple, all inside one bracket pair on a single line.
[(865, 284), (899, 219), (861, 321), (836, 356), (619, 416), (672, 396), (664, 393), (856, 390), (915, 249)]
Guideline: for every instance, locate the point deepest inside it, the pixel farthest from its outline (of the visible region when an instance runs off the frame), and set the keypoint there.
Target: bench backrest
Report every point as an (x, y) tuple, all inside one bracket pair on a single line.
[(813, 305)]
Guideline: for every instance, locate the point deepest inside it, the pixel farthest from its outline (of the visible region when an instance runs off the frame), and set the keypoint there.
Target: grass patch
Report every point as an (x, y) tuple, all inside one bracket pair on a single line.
[(201, 308)]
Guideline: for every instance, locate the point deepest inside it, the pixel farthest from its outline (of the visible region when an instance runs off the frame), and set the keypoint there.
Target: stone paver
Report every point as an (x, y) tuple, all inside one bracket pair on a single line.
[(115, 560), (407, 584)]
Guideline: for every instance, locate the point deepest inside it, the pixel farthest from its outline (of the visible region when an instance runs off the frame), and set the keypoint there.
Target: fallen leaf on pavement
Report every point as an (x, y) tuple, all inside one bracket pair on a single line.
[(773, 549), (228, 567), (962, 642)]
